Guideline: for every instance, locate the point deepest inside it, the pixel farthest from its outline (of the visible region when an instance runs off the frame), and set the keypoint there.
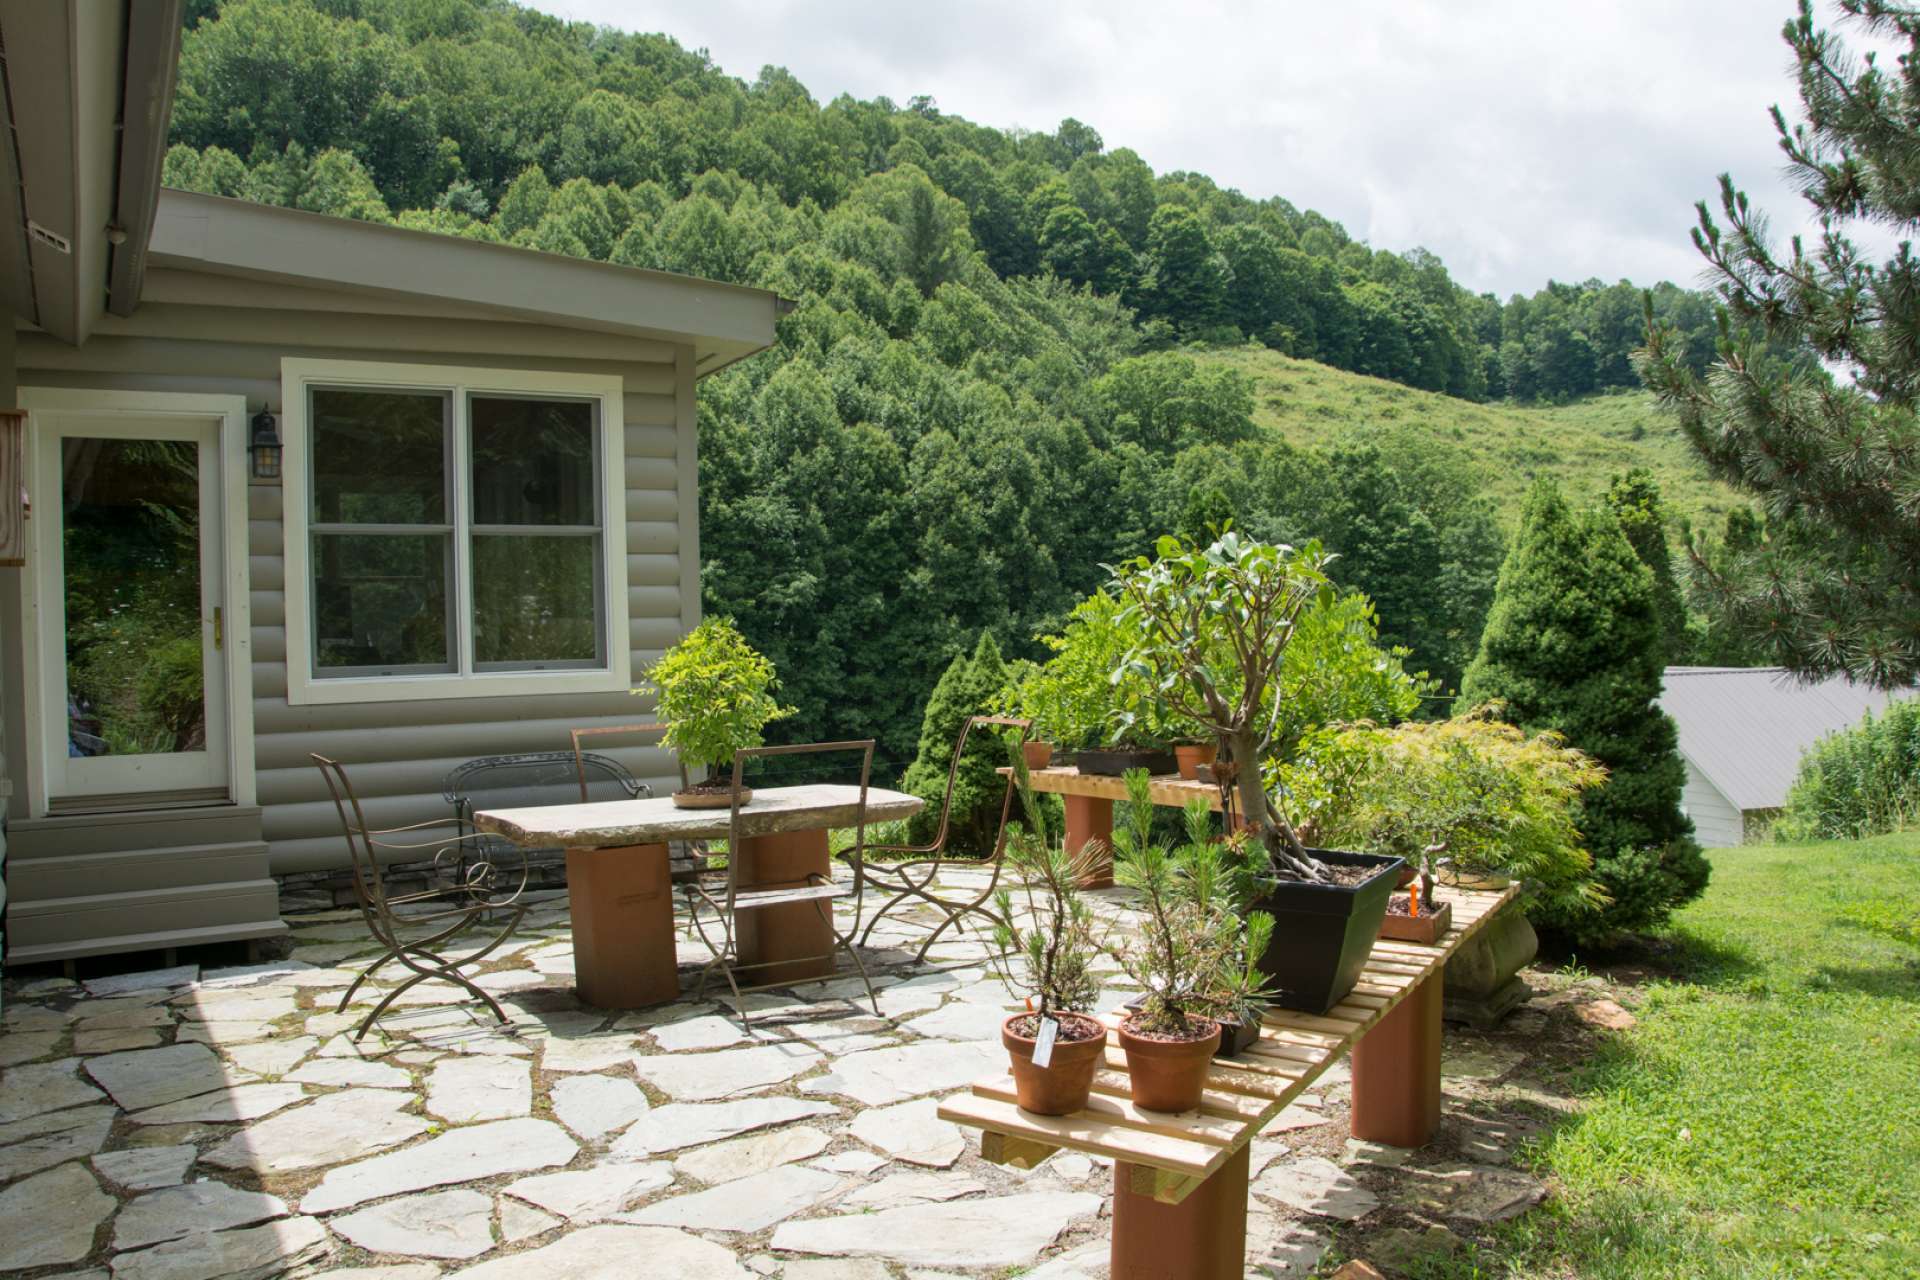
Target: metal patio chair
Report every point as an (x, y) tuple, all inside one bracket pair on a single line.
[(914, 879), (733, 899), (479, 892), (531, 779)]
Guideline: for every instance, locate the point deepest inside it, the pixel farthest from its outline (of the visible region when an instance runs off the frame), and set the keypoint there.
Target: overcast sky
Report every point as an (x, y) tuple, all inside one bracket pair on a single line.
[(1520, 140)]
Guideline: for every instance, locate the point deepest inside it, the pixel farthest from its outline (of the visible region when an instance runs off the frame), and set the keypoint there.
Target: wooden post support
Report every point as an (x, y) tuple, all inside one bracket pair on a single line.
[(1203, 1237), (621, 901), (1090, 818), (773, 934), (1396, 1071)]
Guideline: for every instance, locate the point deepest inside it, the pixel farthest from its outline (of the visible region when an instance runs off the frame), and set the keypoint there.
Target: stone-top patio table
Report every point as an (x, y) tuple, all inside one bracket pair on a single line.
[(1180, 1181), (621, 897)]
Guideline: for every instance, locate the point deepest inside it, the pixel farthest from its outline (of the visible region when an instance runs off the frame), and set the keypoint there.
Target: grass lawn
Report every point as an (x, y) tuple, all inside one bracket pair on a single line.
[(1763, 1119), (1582, 444)]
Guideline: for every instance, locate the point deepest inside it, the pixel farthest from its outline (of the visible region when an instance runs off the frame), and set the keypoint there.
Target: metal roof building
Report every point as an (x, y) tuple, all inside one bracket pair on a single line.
[(1742, 732)]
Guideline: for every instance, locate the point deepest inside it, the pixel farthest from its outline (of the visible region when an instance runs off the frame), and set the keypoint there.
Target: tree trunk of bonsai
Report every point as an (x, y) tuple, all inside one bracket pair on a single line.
[(1290, 858)]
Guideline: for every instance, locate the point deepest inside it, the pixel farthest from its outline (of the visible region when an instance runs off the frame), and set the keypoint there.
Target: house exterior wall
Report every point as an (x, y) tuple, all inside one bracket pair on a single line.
[(1716, 823), (8, 627), (205, 333)]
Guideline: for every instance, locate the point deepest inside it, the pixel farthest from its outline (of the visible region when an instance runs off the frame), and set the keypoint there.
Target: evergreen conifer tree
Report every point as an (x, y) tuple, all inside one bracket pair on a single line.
[(968, 688), (1635, 501), (1834, 460), (1573, 643)]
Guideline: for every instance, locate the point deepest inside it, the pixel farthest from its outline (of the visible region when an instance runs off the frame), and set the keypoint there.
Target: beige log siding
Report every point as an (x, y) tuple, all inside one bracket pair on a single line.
[(199, 332)]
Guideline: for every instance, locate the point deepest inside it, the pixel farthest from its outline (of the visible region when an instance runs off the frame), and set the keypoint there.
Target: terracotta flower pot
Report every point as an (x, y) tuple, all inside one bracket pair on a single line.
[(1426, 928), (1061, 1087), (1191, 755), (1169, 1075), (1039, 754)]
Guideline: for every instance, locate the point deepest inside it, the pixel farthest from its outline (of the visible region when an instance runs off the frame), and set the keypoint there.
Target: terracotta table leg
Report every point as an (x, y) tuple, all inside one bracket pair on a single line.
[(622, 906), (1204, 1237), (1091, 818), (778, 933), (1396, 1071)]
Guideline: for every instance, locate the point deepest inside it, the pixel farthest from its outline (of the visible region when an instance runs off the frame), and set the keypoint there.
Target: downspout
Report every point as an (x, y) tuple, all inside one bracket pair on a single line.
[(150, 63)]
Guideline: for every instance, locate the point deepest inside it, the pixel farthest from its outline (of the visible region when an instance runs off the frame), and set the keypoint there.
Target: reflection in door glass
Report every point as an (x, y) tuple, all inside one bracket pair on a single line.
[(131, 516)]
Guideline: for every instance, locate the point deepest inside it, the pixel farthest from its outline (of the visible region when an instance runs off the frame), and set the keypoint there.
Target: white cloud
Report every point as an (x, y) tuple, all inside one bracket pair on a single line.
[(1518, 140)]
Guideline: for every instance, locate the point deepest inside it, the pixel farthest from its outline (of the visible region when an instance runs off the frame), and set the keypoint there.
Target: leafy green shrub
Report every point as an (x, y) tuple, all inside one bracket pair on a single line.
[(1079, 697), (1863, 781), (715, 695), (973, 685)]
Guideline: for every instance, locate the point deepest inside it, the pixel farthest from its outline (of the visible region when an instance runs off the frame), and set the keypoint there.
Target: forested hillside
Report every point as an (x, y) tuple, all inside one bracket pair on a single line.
[(986, 389)]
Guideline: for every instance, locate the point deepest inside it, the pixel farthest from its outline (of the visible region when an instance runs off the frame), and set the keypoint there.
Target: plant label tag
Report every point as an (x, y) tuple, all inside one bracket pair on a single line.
[(1043, 1042)]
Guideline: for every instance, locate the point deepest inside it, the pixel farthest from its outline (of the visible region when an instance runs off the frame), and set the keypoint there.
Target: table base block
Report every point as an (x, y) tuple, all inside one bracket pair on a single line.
[(1204, 1237), (771, 935), (1396, 1071), (621, 901), (1090, 818)]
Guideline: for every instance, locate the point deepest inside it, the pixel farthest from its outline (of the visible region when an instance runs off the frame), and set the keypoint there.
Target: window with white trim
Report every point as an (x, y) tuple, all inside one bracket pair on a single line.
[(464, 531)]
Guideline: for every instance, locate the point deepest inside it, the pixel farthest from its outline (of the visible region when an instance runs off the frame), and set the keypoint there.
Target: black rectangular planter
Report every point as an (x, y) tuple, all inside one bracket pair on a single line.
[(1322, 933), (1114, 761)]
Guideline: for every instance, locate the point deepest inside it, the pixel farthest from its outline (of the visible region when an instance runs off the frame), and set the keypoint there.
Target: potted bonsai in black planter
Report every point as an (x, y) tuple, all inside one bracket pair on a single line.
[(1054, 970), (1211, 627)]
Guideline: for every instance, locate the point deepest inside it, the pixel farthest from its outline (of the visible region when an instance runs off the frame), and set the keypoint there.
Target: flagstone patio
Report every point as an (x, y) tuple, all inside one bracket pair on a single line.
[(182, 1125)]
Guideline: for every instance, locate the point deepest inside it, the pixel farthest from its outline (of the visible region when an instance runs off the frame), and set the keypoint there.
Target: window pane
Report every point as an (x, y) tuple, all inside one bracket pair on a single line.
[(535, 600), (131, 541), (379, 457), (533, 462), (380, 601)]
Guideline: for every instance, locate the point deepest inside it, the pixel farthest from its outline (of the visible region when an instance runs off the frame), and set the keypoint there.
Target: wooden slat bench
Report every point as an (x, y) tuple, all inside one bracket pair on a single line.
[(1180, 1181)]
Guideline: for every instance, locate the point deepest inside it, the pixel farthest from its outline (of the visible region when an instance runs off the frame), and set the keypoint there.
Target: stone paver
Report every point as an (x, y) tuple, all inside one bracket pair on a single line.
[(251, 1253), (74, 1140), (899, 1189), (1316, 1186), (19, 1047), (272, 1057), (616, 1252), (750, 1204), (699, 1077), (91, 1042), (588, 1195), (343, 1073), (1001, 1231), (466, 1089), (153, 1077), (1477, 1193), (523, 1222), (327, 1131), (41, 1087), (145, 1168), (147, 980), (879, 1076), (190, 1210), (713, 1031), (594, 1106), (961, 1020), (911, 1131), (463, 1155), (585, 1053), (744, 1157), (436, 1224), (224, 1106), (51, 1217)]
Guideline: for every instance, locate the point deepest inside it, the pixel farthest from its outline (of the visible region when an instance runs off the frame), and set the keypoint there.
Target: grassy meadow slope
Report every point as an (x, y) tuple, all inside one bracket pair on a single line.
[(1581, 444)]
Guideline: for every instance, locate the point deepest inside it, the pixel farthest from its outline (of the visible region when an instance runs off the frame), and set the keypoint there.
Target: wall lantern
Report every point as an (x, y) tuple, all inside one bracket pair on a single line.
[(264, 445)]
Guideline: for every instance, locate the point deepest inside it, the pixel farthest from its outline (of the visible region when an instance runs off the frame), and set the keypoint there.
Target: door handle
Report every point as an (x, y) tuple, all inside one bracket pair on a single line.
[(219, 628)]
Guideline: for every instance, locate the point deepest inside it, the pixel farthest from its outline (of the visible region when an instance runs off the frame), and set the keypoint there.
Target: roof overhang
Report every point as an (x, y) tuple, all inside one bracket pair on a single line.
[(89, 88), (721, 322)]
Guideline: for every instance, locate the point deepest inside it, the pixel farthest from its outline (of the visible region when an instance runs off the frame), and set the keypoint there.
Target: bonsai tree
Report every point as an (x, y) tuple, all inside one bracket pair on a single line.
[(715, 696), (1471, 791), (1187, 954), (1056, 949), (1211, 628)]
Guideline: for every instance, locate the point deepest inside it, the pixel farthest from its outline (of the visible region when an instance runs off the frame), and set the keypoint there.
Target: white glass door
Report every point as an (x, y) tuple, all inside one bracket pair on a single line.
[(132, 610)]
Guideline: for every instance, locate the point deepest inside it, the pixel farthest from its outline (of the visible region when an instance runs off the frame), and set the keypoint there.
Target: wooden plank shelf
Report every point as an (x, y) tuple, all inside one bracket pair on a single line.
[(1172, 1155)]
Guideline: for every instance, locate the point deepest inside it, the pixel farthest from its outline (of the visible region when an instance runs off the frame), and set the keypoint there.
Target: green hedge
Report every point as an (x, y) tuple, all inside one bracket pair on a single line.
[(1863, 781)]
